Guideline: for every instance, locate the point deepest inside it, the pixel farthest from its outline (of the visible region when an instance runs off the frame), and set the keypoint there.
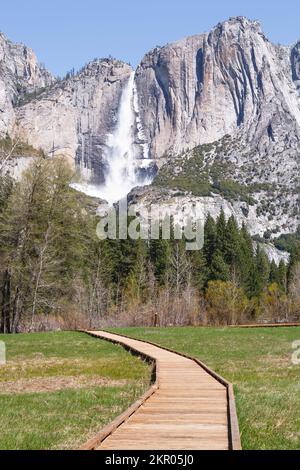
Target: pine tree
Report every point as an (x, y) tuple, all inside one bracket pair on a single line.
[(160, 253), (294, 259), (219, 270), (231, 248), (263, 269), (273, 272), (245, 261), (252, 282), (210, 234), (221, 233), (279, 275), (282, 276)]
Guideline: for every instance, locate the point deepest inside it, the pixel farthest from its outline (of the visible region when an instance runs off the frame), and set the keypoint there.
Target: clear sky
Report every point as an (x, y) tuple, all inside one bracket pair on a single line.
[(68, 33)]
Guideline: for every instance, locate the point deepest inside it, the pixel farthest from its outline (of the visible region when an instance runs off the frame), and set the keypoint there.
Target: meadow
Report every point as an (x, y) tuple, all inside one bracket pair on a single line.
[(58, 389)]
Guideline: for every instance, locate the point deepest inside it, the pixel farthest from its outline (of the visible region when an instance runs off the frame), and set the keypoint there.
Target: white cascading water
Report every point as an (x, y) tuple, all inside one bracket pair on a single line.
[(120, 156), (121, 176)]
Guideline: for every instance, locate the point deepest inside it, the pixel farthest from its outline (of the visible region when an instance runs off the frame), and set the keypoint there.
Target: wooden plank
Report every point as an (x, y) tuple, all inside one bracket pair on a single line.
[(189, 407), (267, 325)]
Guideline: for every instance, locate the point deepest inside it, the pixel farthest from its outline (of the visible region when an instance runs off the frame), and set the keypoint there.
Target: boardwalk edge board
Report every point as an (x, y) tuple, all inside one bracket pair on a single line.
[(234, 434), (267, 325), (95, 441)]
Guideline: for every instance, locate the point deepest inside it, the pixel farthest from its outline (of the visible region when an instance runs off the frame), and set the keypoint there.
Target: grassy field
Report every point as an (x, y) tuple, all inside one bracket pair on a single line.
[(258, 362), (58, 389)]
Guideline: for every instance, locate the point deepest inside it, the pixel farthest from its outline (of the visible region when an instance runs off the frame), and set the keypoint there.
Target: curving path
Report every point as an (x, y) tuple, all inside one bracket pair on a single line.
[(188, 407)]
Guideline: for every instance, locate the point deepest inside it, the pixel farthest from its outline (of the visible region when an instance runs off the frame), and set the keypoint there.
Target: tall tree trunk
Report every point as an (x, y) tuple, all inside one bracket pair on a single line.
[(16, 311), (38, 277), (6, 303)]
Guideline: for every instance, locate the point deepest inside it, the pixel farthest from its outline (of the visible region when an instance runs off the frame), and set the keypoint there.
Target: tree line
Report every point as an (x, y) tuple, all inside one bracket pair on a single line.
[(56, 273)]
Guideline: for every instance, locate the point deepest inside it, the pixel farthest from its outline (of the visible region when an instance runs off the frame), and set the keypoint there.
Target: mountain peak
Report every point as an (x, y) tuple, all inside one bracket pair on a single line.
[(239, 23), (242, 20), (109, 67)]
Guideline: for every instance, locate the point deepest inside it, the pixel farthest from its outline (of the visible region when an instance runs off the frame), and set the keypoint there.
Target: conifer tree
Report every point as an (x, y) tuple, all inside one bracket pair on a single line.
[(160, 253), (262, 268), (294, 259), (273, 272), (219, 270), (279, 275), (221, 233), (282, 276), (245, 261), (210, 235), (231, 249)]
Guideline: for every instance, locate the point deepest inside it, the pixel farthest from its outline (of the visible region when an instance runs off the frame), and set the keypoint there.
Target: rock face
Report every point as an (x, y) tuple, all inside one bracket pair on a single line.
[(20, 77), (295, 61), (199, 89), (75, 116), (192, 92), (238, 92), (230, 88)]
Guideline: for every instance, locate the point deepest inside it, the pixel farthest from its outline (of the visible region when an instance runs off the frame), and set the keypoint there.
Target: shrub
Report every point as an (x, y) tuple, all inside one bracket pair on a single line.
[(227, 304), (273, 304)]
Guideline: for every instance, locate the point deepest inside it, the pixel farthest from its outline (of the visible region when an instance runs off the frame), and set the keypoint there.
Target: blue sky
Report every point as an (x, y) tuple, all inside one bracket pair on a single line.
[(69, 33)]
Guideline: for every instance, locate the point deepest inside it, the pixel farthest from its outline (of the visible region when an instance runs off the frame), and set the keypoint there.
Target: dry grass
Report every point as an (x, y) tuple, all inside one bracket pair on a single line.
[(58, 389), (53, 384)]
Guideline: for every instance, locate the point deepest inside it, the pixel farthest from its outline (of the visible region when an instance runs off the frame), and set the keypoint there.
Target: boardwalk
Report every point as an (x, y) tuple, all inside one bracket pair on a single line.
[(187, 408)]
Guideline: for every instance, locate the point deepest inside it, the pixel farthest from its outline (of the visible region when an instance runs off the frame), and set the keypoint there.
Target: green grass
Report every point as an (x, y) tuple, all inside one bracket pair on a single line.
[(258, 363), (65, 418)]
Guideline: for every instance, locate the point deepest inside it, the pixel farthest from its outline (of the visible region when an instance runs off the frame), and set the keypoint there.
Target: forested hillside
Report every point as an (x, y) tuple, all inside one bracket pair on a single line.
[(55, 272)]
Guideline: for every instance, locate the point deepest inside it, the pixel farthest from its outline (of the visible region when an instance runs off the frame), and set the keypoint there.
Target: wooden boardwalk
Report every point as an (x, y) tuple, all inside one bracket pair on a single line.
[(188, 407), (267, 325)]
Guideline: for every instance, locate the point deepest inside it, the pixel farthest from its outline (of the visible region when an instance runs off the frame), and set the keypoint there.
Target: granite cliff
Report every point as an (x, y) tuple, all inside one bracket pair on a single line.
[(219, 113)]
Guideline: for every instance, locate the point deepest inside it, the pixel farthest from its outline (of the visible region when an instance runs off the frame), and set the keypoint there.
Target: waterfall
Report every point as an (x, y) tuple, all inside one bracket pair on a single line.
[(121, 155)]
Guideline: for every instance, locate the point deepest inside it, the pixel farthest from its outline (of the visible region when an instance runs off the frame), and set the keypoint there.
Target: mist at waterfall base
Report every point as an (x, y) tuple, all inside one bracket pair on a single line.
[(120, 158)]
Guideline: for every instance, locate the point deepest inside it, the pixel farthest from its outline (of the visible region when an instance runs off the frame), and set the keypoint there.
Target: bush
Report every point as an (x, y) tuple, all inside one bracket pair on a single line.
[(273, 304), (227, 304)]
